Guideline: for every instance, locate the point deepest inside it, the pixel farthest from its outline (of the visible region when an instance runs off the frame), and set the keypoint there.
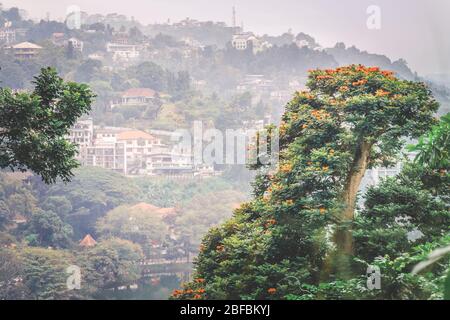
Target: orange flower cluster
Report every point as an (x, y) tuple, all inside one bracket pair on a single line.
[(289, 202), (381, 93), (306, 94), (320, 114), (177, 293), (274, 187), (343, 69), (270, 222), (283, 128), (220, 248), (351, 69), (197, 293), (324, 77), (344, 89), (322, 210), (200, 280), (286, 168), (272, 290), (359, 82)]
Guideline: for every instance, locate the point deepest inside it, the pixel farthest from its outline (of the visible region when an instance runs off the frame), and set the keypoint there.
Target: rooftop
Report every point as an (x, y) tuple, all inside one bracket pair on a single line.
[(139, 92), (151, 209), (88, 241), (26, 45), (134, 135)]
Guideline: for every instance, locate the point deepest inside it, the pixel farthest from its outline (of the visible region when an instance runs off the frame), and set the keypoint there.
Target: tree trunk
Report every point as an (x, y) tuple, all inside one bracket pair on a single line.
[(357, 172), (343, 236), (340, 261)]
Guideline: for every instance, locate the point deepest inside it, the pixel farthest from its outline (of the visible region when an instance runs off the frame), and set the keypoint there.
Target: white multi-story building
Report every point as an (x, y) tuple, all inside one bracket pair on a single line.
[(139, 145), (82, 133), (243, 41), (169, 163), (137, 96), (108, 154), (7, 35), (77, 44), (132, 152), (26, 50), (123, 52)]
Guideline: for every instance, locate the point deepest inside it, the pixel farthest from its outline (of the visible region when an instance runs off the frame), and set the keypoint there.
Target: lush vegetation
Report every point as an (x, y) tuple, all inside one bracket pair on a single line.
[(41, 226), (34, 126), (302, 236)]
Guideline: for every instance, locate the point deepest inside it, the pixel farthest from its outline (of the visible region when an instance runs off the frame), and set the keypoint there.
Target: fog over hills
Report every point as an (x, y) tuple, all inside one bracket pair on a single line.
[(412, 30)]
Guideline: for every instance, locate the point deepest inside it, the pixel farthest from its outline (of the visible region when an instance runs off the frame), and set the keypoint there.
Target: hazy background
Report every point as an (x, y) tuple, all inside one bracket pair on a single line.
[(416, 30)]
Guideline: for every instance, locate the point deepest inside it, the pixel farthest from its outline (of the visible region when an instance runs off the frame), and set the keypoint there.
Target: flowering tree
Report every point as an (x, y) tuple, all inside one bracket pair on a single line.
[(351, 119)]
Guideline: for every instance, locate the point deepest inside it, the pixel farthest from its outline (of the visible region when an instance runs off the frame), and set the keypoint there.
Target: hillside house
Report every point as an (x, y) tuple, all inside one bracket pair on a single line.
[(82, 133), (108, 154), (123, 52), (139, 145), (243, 41), (26, 50), (7, 35), (88, 242), (77, 44), (137, 96)]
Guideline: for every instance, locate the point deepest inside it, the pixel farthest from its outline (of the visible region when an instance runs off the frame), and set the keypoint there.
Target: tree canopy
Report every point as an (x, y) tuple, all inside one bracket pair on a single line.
[(301, 224), (33, 126)]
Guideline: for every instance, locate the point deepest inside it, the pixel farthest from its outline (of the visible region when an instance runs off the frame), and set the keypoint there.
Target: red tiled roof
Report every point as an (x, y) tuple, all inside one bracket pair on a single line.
[(154, 209), (26, 45), (144, 206), (166, 211), (134, 135), (88, 241), (139, 92)]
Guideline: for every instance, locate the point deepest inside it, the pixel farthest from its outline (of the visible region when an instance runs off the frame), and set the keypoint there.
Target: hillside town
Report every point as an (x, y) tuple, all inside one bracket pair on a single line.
[(133, 152)]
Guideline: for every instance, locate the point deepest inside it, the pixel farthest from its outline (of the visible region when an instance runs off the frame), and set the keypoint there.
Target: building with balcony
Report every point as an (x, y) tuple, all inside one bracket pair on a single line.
[(26, 50)]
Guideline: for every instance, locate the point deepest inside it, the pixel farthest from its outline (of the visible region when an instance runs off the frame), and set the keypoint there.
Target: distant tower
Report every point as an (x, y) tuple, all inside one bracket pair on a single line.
[(47, 16), (242, 26), (233, 20)]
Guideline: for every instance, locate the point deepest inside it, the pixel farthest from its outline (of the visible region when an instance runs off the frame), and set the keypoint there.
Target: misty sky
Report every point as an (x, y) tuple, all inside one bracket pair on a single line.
[(417, 30)]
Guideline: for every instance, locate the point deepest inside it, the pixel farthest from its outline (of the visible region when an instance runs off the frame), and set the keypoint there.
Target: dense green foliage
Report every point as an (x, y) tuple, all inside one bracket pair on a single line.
[(302, 237), (34, 126), (288, 242), (41, 226)]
